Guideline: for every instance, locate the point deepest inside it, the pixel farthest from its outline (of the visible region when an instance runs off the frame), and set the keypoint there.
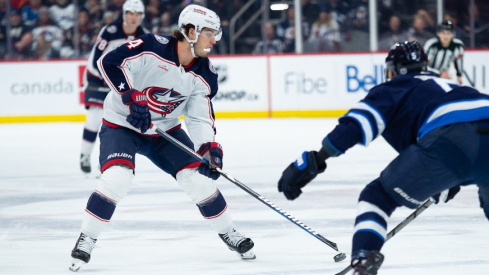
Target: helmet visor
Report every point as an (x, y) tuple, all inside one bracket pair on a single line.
[(209, 33)]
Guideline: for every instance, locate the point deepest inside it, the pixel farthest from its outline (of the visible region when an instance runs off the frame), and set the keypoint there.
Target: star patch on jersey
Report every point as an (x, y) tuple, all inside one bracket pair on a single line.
[(161, 39), (162, 100), (121, 87)]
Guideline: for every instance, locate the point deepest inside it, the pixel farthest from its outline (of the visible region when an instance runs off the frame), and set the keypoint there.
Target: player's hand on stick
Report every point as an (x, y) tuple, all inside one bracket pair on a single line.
[(139, 115), (446, 195), (300, 173), (212, 151)]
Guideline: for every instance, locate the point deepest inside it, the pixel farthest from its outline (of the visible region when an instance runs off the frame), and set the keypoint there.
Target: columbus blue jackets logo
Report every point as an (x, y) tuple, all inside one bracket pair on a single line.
[(162, 100)]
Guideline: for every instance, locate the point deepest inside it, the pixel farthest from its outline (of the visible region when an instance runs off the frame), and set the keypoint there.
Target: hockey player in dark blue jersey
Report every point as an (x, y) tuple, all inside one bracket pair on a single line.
[(109, 38), (441, 131)]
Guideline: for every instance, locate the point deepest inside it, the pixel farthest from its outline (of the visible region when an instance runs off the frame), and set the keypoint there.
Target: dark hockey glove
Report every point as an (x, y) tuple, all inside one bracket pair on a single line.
[(139, 115), (446, 195), (300, 173), (211, 151)]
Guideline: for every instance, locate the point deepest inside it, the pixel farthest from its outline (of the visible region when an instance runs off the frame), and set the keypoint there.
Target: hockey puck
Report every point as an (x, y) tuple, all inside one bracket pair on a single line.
[(340, 257)]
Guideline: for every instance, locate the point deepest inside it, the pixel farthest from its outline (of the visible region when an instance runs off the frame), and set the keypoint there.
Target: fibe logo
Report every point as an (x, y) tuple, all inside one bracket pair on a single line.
[(298, 82), (356, 81)]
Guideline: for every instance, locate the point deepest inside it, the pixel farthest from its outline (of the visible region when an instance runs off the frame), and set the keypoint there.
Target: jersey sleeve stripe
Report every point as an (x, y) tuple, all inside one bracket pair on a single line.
[(379, 120), (365, 125)]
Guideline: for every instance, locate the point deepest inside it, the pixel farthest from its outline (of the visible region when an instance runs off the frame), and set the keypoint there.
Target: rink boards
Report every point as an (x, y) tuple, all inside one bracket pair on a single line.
[(250, 86)]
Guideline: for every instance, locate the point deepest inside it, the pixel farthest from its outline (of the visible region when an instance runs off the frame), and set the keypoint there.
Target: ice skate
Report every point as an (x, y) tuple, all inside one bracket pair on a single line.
[(367, 263), (81, 253), (85, 163), (239, 243)]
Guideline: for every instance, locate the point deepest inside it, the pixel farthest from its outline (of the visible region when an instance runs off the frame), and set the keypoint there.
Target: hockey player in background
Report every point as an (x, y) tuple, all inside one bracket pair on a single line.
[(441, 131), (156, 79), (109, 38), (445, 50)]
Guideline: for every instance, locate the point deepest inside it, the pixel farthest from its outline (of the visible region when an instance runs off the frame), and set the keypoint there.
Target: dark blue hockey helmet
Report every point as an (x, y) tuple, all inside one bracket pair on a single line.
[(405, 57), (445, 26)]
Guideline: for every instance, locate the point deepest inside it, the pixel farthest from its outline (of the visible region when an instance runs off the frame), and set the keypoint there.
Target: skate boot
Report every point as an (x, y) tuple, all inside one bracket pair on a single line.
[(239, 243), (366, 262), (85, 163), (81, 253)]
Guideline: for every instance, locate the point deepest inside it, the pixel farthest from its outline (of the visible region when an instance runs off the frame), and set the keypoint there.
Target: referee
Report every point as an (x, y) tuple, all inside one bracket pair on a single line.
[(444, 50)]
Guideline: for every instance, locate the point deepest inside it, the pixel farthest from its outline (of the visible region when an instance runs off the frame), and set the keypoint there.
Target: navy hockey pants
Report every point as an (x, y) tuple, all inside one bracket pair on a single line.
[(118, 146), (452, 155)]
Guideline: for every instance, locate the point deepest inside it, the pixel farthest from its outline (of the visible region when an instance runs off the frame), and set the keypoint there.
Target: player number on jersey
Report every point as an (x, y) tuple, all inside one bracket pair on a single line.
[(134, 43), (102, 44)]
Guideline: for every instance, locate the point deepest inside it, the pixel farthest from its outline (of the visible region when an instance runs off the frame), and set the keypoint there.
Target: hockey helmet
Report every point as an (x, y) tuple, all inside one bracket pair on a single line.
[(201, 18), (134, 6), (446, 26), (405, 57)]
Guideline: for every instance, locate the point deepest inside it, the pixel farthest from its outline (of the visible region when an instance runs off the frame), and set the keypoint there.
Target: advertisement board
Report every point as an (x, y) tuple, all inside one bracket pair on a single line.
[(309, 85)]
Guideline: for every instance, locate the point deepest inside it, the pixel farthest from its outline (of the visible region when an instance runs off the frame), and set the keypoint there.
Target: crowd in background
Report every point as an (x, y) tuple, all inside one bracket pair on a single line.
[(46, 29)]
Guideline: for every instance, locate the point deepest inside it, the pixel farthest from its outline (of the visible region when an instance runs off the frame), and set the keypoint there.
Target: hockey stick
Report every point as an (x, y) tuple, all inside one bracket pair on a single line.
[(337, 258), (398, 228)]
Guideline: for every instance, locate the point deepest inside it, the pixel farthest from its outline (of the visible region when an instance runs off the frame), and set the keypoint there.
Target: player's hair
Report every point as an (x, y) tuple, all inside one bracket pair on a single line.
[(179, 36), (405, 57)]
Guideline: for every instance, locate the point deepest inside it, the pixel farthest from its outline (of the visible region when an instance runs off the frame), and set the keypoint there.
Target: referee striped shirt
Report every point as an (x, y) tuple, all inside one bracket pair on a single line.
[(439, 58)]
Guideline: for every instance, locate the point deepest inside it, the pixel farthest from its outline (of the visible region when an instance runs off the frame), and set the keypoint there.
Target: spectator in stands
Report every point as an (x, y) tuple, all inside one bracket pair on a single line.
[(325, 33), (86, 34), (50, 32), (44, 49), (30, 13), (20, 34), (482, 38), (115, 6), (152, 14), (95, 12), (164, 26), (109, 17), (393, 35), (338, 9), (358, 16), (310, 11), (271, 44), (3, 9), (428, 19), (418, 30), (63, 14), (286, 30)]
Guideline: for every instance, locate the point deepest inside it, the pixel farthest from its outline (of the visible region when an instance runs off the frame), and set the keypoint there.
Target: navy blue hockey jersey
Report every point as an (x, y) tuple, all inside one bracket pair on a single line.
[(405, 109)]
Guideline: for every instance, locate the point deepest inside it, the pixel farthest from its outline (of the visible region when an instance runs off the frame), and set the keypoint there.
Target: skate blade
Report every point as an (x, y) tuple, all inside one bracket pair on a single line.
[(76, 264), (247, 256)]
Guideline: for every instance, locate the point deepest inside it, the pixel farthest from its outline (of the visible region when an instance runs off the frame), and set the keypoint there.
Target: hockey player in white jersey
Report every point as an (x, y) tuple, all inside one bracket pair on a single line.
[(109, 38), (157, 79)]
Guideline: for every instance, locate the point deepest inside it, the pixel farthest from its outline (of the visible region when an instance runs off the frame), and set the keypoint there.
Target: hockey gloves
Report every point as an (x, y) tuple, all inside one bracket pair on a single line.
[(300, 173), (446, 195), (211, 151), (139, 116)]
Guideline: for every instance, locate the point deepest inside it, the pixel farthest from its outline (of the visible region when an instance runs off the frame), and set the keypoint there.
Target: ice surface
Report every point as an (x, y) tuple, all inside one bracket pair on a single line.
[(156, 229)]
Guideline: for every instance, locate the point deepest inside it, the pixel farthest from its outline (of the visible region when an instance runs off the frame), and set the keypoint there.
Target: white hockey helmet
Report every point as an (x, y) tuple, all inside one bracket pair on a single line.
[(134, 6), (201, 18)]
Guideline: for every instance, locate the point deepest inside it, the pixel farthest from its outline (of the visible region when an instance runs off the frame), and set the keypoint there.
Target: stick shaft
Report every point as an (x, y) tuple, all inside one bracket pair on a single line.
[(245, 188)]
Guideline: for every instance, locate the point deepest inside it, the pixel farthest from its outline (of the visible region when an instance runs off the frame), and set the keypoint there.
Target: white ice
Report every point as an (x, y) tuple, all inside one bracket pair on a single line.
[(156, 229)]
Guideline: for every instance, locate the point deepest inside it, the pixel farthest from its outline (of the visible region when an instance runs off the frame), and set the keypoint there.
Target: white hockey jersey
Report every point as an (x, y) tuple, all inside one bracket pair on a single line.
[(150, 64)]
